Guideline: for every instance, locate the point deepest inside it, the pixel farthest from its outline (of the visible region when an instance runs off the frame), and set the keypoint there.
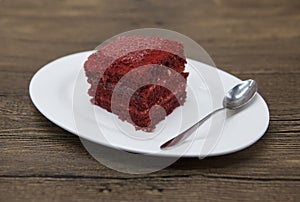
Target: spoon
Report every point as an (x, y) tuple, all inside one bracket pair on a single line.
[(239, 96)]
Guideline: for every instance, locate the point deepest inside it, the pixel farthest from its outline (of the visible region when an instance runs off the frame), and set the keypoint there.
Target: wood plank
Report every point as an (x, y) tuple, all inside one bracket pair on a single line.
[(184, 188), (261, 46)]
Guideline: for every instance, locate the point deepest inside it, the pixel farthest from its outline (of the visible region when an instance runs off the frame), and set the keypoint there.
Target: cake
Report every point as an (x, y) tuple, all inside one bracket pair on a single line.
[(153, 69)]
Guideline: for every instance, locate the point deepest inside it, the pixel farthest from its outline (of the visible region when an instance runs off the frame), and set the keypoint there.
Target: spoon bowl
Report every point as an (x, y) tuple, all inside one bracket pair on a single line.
[(240, 95)]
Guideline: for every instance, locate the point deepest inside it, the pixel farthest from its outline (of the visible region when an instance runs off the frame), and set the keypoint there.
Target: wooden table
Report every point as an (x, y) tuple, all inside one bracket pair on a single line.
[(250, 39)]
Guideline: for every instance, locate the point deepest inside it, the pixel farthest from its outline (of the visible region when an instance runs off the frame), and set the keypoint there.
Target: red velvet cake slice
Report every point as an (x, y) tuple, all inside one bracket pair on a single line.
[(132, 75)]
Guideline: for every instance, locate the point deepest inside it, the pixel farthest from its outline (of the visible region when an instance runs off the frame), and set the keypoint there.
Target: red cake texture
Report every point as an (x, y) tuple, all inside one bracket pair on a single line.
[(117, 73)]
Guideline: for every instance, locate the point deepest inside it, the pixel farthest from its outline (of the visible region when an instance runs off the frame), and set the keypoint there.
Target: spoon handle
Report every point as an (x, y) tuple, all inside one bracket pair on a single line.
[(182, 136)]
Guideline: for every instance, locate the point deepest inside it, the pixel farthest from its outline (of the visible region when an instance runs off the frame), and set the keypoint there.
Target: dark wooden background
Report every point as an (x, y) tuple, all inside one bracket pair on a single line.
[(251, 39)]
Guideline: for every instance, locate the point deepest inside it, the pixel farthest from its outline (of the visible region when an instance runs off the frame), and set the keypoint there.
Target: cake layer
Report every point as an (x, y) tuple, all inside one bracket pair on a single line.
[(98, 62), (143, 118), (137, 108), (148, 57), (142, 98), (154, 68), (133, 84), (144, 91)]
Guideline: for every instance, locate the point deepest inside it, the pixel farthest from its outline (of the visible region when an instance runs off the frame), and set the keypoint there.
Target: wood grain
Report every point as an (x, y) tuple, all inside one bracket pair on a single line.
[(254, 39)]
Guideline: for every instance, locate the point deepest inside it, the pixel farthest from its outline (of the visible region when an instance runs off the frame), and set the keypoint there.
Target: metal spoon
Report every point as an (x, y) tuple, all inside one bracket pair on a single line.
[(237, 97)]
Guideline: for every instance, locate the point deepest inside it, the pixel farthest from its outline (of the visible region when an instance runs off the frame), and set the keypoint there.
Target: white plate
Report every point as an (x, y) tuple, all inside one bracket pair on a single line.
[(52, 90)]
